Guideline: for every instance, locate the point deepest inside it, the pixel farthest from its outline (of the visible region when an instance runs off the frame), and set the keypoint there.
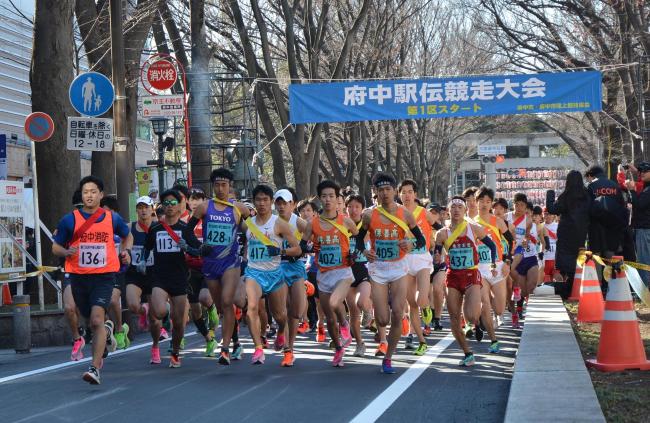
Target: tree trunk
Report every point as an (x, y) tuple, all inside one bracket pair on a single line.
[(50, 76)]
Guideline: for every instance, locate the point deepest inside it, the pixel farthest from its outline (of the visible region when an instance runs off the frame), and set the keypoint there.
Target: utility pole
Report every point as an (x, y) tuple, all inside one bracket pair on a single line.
[(120, 153)]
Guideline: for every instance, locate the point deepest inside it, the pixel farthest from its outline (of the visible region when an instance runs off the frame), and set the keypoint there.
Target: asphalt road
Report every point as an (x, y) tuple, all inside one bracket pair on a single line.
[(429, 388)]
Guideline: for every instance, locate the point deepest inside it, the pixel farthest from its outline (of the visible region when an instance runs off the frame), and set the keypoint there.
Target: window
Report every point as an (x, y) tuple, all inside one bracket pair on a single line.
[(560, 150), (517, 152)]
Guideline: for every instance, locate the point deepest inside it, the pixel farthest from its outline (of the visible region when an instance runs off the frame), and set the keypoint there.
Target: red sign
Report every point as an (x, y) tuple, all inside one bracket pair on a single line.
[(12, 190), (161, 74), (39, 126)]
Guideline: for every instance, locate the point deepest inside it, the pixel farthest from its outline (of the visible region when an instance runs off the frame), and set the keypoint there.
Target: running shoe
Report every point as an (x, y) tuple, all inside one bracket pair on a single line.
[(278, 345), (77, 347), (516, 293), (421, 350), (373, 326), (515, 321), (360, 350), (213, 318), (436, 325), (174, 361), (265, 343), (467, 361), (332, 345), (387, 366), (143, 321), (427, 330), (381, 349), (237, 352), (86, 334), (427, 315), (163, 334), (320, 336), (119, 341), (92, 376), (209, 347), (469, 333), (405, 326), (272, 332), (258, 356), (182, 346), (408, 345), (125, 329), (238, 313), (288, 359), (155, 356), (479, 332), (494, 347), (303, 327), (346, 337), (338, 357), (224, 358), (111, 343)]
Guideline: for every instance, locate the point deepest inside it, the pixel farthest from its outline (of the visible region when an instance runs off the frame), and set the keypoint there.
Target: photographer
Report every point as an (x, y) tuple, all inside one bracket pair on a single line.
[(641, 217)]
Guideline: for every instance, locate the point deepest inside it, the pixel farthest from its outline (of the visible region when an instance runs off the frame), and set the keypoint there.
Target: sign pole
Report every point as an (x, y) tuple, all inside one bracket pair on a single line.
[(37, 230)]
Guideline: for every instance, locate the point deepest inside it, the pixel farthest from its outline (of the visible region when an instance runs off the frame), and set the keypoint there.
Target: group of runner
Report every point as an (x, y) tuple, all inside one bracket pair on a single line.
[(394, 262)]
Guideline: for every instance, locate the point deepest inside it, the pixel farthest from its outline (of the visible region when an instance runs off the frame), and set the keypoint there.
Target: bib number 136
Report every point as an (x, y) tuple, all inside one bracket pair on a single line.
[(92, 255)]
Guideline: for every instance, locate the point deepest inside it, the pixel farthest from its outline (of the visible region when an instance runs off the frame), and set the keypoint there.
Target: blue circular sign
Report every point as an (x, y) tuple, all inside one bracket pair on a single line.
[(91, 94)]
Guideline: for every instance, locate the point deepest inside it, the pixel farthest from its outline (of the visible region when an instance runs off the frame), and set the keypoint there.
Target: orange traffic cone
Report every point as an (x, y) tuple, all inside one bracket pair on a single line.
[(577, 281), (621, 347), (591, 306), (6, 294)]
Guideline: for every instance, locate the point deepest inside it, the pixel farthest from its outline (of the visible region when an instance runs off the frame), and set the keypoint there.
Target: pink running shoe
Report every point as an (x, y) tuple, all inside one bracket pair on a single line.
[(155, 356), (338, 358), (278, 345), (258, 356), (143, 322), (163, 334), (346, 337), (516, 293), (78, 345)]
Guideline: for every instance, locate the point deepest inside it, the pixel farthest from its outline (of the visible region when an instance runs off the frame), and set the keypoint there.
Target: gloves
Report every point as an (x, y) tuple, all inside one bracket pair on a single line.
[(182, 244), (273, 250), (206, 250), (540, 256), (141, 268)]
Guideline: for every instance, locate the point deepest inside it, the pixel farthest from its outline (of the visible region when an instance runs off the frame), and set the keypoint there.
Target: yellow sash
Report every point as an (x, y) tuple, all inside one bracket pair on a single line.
[(258, 234), (396, 220), (455, 234), (229, 204), (494, 229), (417, 212), (338, 226)]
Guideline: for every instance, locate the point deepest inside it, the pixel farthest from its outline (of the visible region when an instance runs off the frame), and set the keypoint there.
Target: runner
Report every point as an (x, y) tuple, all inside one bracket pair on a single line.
[(470, 199), (85, 238), (460, 240), (438, 289), (500, 210), (294, 274), (388, 225), (420, 267), (168, 241), (358, 299), (221, 267), (550, 234), (264, 235), (138, 285), (307, 210), (329, 232)]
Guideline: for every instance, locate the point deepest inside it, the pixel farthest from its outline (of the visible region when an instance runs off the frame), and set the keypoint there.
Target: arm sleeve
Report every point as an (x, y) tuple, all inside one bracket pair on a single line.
[(511, 240), (120, 227), (64, 231), (190, 237), (191, 224), (304, 247), (492, 246), (420, 241), (360, 238)]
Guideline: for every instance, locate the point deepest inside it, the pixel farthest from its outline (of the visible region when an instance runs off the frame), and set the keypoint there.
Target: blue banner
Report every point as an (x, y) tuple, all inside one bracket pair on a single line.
[(445, 97)]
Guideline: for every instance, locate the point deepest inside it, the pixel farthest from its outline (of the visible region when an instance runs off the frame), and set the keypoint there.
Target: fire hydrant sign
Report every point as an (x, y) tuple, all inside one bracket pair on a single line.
[(161, 74), (90, 134), (162, 106), (12, 260)]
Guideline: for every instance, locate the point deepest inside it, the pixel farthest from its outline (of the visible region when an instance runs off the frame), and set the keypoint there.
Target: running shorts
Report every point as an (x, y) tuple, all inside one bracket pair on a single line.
[(141, 281), (327, 281), (440, 267), (461, 280), (417, 262), (486, 272), (360, 272), (384, 272), (120, 281), (92, 290), (214, 269), (268, 280), (293, 271), (195, 284), (526, 264), (173, 287)]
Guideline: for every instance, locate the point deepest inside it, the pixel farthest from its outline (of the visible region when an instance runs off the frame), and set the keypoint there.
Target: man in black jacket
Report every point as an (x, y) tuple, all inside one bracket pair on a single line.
[(641, 218)]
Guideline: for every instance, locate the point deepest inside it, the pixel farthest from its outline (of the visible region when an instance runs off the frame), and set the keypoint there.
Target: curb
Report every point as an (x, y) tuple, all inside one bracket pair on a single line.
[(550, 381)]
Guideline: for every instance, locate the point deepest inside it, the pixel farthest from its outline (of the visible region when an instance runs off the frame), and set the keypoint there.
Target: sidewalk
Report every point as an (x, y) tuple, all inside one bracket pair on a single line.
[(550, 381)]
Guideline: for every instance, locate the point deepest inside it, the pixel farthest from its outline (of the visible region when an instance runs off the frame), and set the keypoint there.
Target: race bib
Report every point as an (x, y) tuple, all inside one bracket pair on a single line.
[(420, 250), (520, 231), (484, 254), (165, 243), (530, 250), (219, 234), (257, 251), (551, 247), (92, 255), (387, 249), (137, 256), (330, 256), (461, 258)]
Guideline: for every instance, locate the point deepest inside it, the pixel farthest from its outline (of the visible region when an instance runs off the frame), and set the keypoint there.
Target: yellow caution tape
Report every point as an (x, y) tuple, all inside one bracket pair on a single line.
[(40, 270)]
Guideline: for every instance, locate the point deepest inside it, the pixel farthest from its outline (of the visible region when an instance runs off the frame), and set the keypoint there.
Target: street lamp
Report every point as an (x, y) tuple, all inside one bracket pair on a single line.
[(159, 126)]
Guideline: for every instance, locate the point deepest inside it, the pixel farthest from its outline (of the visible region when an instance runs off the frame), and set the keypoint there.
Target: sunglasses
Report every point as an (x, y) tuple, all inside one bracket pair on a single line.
[(168, 203)]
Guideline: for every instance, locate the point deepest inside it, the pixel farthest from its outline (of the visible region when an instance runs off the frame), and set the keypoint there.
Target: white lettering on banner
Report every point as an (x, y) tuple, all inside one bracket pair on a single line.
[(406, 93), (355, 96), (456, 91), (482, 90), (380, 93), (507, 87), (533, 87), (431, 92)]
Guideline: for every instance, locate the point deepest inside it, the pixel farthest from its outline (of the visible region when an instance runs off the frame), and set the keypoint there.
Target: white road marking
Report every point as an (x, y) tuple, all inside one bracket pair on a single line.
[(75, 363), (379, 405)]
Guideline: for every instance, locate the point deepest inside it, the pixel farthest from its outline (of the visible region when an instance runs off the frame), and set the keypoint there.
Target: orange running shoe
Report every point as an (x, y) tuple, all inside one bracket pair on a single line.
[(381, 349), (427, 330), (405, 326), (288, 359), (320, 336), (303, 327), (238, 313)]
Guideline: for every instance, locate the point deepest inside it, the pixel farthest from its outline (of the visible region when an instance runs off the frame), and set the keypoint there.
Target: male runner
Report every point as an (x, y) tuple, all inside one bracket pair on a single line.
[(390, 226), (329, 232), (469, 195), (221, 267), (550, 233), (85, 238), (294, 274), (460, 240), (438, 291), (420, 266), (308, 210), (264, 235)]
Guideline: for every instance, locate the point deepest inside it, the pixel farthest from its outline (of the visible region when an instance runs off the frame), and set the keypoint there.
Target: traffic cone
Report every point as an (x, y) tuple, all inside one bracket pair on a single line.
[(591, 306), (6, 294), (577, 281), (620, 347)]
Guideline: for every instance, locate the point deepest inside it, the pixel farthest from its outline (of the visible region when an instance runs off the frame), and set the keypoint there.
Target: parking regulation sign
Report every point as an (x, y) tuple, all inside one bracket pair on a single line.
[(39, 126), (91, 94), (90, 134)]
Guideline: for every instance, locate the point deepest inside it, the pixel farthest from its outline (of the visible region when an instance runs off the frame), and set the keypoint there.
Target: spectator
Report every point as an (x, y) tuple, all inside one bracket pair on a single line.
[(573, 206), (641, 218)]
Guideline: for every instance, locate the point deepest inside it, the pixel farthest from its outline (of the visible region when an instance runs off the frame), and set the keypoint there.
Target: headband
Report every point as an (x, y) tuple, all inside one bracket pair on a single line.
[(384, 183), (222, 178), (457, 201)]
